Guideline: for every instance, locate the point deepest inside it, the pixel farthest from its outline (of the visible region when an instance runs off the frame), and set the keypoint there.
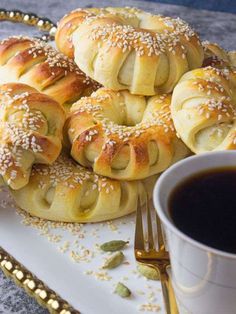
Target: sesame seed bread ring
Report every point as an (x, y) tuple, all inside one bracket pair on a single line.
[(68, 192), (32, 62), (31, 125), (123, 136), (203, 109), (126, 48)]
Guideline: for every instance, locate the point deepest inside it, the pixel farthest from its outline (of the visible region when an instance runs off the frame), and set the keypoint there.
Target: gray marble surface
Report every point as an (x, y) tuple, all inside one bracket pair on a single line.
[(214, 26)]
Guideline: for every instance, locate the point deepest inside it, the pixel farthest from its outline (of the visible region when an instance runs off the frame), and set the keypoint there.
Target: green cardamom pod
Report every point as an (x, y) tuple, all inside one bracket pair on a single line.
[(122, 290), (148, 272), (114, 261), (113, 246)]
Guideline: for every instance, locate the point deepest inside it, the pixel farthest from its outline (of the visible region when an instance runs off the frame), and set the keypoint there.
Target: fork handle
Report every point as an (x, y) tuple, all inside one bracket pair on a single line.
[(168, 295)]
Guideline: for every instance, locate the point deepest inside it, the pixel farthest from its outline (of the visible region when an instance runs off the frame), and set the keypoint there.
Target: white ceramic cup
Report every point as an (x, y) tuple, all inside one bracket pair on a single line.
[(204, 278)]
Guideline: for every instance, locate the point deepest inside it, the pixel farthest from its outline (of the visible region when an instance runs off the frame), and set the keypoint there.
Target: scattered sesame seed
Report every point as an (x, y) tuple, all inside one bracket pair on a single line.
[(149, 307)]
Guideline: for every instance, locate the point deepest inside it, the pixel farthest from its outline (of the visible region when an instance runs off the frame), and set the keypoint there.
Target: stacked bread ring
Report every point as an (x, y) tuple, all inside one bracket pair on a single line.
[(81, 146), (68, 192), (204, 114), (126, 48), (29, 132), (32, 62), (123, 136)]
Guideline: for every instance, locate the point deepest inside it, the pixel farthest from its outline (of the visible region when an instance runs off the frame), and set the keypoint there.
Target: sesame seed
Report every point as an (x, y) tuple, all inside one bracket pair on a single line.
[(46, 57), (144, 42)]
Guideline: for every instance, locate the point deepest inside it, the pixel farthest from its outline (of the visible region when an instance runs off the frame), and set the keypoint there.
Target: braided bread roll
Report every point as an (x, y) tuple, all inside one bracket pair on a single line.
[(31, 126), (123, 136), (67, 192), (203, 109), (126, 48), (36, 64)]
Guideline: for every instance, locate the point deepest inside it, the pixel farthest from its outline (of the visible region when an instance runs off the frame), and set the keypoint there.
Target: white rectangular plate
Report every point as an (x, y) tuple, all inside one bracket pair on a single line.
[(79, 280)]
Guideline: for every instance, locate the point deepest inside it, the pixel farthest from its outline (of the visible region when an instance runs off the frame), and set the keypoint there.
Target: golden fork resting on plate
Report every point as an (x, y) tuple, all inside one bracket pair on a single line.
[(153, 254)]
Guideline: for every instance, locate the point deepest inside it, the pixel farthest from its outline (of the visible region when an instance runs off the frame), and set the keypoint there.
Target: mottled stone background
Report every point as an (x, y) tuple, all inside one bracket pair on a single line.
[(214, 26), (215, 5)]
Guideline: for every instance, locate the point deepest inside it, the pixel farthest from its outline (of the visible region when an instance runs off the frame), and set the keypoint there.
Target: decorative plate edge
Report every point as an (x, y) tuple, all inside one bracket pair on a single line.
[(34, 286), (42, 23), (9, 265)]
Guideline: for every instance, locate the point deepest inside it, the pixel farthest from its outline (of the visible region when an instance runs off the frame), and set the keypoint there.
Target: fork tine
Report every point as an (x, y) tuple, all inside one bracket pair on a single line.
[(158, 258), (139, 238), (149, 224)]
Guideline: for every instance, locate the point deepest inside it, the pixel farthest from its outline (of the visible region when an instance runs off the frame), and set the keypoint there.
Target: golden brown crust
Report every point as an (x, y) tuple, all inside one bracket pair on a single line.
[(129, 48), (203, 109), (32, 62), (31, 126), (216, 56), (68, 192), (123, 136), (65, 28), (71, 21)]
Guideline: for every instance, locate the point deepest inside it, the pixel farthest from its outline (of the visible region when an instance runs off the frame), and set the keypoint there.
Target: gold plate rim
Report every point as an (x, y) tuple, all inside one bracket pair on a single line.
[(25, 279), (31, 19), (33, 286)]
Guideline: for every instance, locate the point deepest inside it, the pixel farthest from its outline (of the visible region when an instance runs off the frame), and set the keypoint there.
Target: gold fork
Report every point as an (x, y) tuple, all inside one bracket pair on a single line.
[(153, 254)]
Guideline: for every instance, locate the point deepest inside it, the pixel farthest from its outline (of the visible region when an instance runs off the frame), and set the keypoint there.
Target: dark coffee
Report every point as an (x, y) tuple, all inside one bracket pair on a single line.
[(204, 207)]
